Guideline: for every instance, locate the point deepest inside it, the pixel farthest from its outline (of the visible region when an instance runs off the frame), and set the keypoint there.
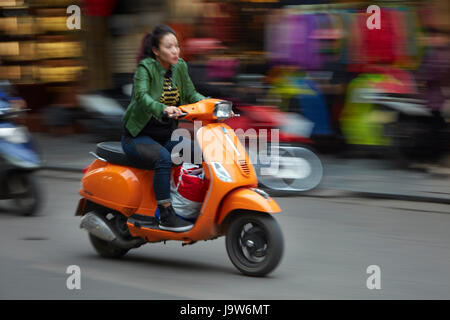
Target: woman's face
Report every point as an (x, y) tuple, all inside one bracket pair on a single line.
[(169, 51)]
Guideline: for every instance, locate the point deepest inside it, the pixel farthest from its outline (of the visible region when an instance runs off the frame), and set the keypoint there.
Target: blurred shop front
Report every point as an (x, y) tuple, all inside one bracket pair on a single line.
[(39, 55), (51, 65), (48, 65)]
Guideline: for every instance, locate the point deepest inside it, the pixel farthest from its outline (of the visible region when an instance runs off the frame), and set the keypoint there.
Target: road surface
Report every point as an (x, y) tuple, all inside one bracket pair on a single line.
[(335, 248)]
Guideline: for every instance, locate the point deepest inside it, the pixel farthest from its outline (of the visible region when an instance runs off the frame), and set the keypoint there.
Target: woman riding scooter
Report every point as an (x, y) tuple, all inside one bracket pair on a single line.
[(161, 84)]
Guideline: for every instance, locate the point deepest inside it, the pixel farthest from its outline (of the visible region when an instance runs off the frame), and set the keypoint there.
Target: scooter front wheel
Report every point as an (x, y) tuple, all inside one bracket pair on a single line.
[(254, 243)]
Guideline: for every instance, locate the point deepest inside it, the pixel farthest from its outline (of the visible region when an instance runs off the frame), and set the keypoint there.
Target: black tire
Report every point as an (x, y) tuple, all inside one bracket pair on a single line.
[(28, 200), (268, 245), (106, 249), (414, 139), (119, 225)]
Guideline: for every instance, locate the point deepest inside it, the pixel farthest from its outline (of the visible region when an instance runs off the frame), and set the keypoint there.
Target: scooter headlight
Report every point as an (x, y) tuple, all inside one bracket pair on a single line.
[(221, 172), (14, 135), (222, 110)]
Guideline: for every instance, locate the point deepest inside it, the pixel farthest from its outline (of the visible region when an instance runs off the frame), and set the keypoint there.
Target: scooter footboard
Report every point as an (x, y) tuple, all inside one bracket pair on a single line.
[(248, 199)]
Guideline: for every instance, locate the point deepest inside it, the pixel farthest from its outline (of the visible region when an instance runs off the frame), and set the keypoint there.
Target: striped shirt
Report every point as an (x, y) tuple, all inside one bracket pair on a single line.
[(170, 95)]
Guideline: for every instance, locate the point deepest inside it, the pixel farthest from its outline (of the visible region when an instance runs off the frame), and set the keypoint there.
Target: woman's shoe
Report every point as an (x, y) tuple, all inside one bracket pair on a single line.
[(169, 221)]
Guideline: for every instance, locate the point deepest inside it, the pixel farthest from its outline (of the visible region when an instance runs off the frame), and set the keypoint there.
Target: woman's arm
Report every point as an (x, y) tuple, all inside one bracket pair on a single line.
[(141, 88)]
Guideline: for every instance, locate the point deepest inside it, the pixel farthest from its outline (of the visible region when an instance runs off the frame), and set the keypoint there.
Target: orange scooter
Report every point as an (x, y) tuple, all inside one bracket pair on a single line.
[(118, 205)]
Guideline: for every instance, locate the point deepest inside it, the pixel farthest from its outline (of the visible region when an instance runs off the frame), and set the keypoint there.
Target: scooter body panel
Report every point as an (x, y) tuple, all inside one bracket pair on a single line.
[(120, 188), (19, 153), (232, 157), (246, 199)]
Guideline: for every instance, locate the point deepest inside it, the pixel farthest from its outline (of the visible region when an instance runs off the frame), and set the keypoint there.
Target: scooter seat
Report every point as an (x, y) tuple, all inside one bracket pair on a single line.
[(113, 153)]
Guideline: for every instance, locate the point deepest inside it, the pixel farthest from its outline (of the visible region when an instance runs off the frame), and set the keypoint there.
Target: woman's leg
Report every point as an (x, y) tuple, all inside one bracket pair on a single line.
[(148, 152), (161, 177), (145, 150)]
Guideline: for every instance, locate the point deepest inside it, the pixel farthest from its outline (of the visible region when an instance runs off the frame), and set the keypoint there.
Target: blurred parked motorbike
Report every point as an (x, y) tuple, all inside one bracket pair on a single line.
[(416, 133), (284, 159), (386, 112), (102, 110)]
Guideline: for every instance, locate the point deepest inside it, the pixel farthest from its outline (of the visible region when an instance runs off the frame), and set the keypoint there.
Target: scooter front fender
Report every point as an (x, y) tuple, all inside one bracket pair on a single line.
[(246, 199)]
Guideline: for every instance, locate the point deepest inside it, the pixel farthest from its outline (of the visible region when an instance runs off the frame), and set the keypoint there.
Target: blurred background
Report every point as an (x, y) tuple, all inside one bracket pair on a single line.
[(361, 89), (366, 110)]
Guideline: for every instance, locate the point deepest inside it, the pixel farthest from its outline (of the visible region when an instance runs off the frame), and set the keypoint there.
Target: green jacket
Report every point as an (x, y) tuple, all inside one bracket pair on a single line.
[(147, 90)]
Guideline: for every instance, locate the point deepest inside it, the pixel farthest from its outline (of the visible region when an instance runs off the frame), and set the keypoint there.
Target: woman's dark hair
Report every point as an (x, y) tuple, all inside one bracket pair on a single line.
[(152, 40)]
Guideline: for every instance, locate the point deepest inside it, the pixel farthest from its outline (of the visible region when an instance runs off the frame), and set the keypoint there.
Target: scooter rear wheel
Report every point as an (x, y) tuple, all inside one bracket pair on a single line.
[(254, 243), (106, 249)]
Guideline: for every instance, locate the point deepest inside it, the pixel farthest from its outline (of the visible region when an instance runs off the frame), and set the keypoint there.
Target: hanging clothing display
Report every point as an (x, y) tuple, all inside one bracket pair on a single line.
[(306, 39)]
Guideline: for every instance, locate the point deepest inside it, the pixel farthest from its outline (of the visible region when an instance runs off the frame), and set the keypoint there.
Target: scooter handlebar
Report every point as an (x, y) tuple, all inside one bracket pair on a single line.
[(165, 115), (170, 116)]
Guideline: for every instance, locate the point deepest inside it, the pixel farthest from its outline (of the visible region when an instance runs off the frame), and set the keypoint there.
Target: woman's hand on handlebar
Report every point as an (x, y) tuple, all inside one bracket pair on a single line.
[(173, 112)]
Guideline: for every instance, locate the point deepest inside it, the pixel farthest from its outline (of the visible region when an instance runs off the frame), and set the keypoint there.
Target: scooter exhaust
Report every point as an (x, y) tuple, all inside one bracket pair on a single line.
[(96, 226)]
